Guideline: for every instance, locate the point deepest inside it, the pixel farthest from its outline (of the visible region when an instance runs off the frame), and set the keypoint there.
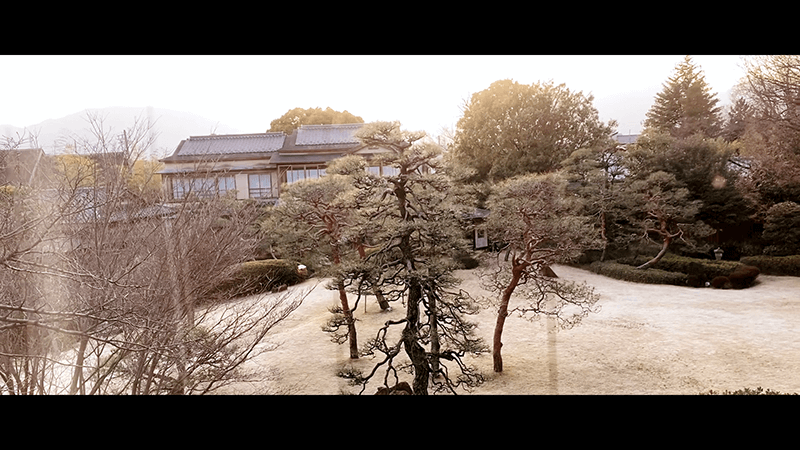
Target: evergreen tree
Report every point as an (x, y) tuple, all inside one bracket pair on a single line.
[(513, 129), (325, 210), (782, 229), (595, 174), (416, 237), (538, 220), (664, 212), (738, 117), (686, 105), (311, 116), (701, 166)]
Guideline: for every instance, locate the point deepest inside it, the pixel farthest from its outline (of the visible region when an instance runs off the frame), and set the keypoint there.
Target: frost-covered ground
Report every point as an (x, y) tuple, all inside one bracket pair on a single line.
[(646, 339)]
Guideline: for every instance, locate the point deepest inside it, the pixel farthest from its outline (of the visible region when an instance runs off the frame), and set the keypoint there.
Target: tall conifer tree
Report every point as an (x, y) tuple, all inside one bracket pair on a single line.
[(686, 105)]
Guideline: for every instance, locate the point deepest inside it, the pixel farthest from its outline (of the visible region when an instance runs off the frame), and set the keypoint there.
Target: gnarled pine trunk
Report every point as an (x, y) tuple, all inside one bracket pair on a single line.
[(415, 351), (348, 314), (516, 274), (667, 239), (351, 322)]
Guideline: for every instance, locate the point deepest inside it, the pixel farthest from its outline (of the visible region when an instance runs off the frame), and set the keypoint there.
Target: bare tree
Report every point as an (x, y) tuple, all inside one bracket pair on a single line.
[(772, 88), (108, 293)]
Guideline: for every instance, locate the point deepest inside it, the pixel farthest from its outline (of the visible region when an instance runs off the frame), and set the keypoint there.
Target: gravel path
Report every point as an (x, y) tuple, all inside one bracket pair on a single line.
[(646, 339)]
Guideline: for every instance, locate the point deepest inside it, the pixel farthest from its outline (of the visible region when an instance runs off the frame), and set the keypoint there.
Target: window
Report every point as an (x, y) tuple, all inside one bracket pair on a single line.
[(180, 188), (260, 185), (225, 185), (387, 171), (202, 187), (293, 175), (297, 173)]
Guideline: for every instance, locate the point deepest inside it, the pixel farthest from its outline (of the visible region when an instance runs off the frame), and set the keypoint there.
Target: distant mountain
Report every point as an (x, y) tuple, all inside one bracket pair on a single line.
[(171, 127)]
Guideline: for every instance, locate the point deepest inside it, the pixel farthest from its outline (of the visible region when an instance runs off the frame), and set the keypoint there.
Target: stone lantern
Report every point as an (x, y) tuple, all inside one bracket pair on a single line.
[(718, 253)]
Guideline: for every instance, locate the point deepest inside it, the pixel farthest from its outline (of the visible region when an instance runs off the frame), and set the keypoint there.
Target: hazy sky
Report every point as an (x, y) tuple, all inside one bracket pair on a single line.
[(248, 92)]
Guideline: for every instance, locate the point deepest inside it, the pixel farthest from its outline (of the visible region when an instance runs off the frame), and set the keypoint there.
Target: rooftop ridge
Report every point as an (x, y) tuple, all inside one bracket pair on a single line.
[(341, 125), (238, 136), (329, 134), (230, 144)]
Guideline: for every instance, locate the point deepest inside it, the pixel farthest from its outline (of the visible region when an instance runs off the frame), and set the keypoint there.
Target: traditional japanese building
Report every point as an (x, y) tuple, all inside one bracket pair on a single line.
[(255, 165)]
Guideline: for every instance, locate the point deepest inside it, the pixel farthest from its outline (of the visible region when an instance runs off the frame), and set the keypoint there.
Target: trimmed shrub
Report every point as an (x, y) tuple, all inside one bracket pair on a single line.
[(258, 277), (696, 281), (743, 277), (707, 268), (626, 272), (681, 271), (698, 271), (634, 260), (775, 265), (721, 283)]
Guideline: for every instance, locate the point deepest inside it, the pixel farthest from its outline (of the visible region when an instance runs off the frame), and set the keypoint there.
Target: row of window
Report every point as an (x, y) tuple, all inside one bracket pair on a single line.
[(202, 187), (295, 173), (259, 185)]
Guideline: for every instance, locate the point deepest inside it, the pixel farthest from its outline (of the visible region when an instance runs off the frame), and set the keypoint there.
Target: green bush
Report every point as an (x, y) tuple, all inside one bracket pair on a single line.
[(627, 272), (698, 271), (681, 271), (258, 277), (782, 229), (775, 265), (708, 268)]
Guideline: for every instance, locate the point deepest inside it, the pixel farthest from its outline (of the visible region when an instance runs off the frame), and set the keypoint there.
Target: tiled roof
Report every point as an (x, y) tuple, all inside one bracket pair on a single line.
[(626, 138), (327, 134), (231, 144), (304, 159)]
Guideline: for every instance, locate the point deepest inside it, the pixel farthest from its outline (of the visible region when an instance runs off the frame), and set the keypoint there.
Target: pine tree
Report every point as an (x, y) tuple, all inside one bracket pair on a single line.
[(415, 238), (686, 105), (738, 116), (514, 129)]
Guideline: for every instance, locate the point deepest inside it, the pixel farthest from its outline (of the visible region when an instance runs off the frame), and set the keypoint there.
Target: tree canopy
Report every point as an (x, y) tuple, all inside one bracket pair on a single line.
[(311, 116), (511, 129), (739, 114), (686, 104), (772, 86), (415, 238), (537, 220), (765, 122)]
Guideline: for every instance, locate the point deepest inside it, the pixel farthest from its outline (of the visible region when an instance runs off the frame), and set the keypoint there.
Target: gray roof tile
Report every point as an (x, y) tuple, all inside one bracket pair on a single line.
[(229, 144), (327, 134)]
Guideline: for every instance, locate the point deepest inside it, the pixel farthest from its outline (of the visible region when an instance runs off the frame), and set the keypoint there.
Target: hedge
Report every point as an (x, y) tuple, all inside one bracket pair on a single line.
[(680, 271), (775, 265), (627, 272), (257, 277), (707, 268)]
